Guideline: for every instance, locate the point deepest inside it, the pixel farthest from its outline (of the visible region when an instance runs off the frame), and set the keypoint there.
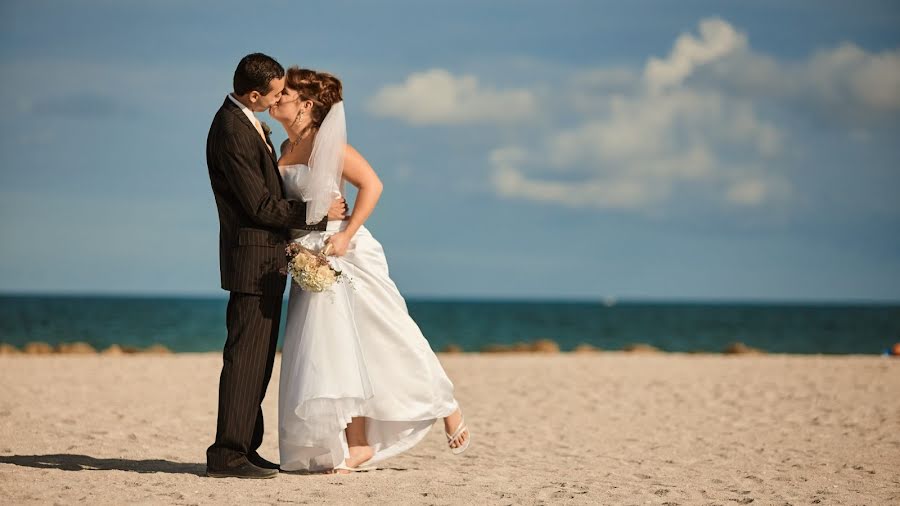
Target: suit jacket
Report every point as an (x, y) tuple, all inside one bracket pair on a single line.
[(254, 215)]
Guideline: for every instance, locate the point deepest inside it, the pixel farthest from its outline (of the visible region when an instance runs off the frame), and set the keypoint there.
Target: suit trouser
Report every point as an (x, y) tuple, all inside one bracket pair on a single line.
[(248, 358)]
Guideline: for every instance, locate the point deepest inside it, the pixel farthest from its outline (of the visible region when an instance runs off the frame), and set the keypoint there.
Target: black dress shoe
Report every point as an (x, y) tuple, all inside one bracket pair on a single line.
[(258, 461), (245, 470)]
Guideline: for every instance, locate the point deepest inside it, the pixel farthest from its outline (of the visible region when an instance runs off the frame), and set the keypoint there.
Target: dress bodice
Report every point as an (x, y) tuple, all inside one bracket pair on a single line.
[(296, 179)]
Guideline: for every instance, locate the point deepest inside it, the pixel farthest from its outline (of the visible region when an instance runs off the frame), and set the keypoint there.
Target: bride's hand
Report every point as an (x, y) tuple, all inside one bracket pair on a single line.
[(338, 209), (339, 242)]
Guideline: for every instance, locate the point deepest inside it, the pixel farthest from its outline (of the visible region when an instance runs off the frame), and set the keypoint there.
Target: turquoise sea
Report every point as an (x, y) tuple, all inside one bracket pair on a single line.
[(197, 324)]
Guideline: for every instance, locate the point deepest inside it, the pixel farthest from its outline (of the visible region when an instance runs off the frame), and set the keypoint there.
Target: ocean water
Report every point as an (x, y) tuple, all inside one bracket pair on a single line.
[(198, 324)]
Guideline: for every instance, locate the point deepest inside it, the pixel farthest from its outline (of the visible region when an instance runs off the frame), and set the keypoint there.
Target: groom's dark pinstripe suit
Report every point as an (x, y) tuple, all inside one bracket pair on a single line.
[(254, 218)]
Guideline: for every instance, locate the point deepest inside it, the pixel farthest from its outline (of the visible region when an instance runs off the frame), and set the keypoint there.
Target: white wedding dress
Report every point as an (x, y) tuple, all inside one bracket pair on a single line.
[(353, 350)]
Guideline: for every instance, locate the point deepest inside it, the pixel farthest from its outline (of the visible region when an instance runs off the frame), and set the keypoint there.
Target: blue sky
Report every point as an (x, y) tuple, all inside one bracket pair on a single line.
[(643, 150)]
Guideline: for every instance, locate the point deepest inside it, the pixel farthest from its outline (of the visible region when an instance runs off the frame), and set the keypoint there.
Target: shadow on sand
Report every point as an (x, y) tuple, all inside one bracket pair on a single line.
[(69, 462)]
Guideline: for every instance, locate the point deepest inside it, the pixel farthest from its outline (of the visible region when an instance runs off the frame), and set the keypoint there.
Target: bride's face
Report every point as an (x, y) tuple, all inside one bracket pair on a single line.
[(289, 107)]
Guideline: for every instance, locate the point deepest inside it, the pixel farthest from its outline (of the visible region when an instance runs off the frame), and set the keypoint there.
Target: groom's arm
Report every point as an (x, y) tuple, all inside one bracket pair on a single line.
[(247, 183)]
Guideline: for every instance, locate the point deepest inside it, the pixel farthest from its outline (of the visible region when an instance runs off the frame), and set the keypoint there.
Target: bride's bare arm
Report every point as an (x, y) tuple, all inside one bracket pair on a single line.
[(361, 175)]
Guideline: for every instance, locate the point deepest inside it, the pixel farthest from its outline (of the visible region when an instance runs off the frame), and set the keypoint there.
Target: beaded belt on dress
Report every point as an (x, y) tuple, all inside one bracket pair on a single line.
[(331, 226)]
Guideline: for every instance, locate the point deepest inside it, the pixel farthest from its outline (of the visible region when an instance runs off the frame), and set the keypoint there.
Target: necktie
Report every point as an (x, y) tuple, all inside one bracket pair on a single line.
[(262, 134)]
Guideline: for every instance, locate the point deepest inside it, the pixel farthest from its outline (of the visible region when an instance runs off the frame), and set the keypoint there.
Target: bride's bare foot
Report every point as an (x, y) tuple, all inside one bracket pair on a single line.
[(451, 425), (360, 451), (359, 455)]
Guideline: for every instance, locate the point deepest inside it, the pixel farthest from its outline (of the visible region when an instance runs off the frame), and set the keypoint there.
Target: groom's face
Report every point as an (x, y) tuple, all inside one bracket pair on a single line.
[(259, 102)]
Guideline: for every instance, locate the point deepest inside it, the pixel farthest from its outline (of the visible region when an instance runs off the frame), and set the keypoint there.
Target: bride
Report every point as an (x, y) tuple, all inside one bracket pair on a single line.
[(359, 382)]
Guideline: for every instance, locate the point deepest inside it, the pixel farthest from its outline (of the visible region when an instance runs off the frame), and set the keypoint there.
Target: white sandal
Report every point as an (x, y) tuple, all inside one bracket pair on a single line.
[(459, 431)]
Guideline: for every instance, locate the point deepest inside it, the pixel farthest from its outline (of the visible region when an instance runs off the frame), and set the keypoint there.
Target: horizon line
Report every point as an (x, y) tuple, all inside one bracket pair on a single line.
[(601, 299)]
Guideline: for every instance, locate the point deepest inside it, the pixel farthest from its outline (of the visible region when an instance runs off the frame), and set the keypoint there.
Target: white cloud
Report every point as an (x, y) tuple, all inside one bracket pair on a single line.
[(858, 85), (692, 118), (844, 85), (747, 192), (437, 97), (621, 194), (717, 39), (639, 148), (689, 125)]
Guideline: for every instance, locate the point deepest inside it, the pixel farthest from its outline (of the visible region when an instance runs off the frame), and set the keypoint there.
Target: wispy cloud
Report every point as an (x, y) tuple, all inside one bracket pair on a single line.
[(844, 85), (633, 149), (437, 97), (697, 122), (717, 39)]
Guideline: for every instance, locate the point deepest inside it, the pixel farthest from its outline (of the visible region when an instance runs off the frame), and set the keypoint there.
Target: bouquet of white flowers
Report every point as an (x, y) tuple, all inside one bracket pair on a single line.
[(311, 269)]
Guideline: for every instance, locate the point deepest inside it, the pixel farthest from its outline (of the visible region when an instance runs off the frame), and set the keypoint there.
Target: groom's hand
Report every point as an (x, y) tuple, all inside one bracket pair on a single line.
[(338, 209)]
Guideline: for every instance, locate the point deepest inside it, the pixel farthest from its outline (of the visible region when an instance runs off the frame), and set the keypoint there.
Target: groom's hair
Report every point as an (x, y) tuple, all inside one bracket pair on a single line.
[(255, 72)]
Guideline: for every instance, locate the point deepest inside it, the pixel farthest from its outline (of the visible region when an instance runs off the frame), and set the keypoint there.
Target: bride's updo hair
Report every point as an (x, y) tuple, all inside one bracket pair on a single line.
[(322, 88)]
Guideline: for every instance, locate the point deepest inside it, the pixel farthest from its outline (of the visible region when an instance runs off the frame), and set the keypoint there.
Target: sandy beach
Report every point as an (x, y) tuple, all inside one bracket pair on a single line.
[(595, 428)]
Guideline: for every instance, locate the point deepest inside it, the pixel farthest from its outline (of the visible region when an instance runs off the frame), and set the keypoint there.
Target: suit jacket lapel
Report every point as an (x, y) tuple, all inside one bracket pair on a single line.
[(246, 121)]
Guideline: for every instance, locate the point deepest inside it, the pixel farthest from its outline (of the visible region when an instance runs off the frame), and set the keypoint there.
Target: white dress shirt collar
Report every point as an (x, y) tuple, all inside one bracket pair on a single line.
[(246, 110)]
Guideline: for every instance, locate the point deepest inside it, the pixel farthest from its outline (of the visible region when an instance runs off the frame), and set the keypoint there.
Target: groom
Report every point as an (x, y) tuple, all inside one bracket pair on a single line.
[(254, 218)]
